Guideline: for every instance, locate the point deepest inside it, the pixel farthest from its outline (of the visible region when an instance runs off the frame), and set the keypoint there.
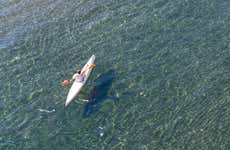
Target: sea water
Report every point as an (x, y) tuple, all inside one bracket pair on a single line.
[(169, 86)]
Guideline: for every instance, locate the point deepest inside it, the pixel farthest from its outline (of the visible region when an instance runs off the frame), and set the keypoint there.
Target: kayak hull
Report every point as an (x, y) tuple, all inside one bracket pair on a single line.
[(77, 86)]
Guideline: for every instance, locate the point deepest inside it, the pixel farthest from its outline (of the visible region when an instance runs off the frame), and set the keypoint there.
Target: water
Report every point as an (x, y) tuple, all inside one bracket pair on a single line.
[(170, 83)]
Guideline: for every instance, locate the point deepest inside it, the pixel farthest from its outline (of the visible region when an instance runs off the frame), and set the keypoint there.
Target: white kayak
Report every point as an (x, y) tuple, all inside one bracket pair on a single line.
[(76, 87)]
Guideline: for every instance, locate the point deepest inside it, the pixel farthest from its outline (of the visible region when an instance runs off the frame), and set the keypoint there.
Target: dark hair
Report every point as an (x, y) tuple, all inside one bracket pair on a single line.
[(79, 71)]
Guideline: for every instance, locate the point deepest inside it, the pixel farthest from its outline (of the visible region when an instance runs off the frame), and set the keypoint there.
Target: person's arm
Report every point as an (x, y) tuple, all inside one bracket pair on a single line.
[(73, 77)]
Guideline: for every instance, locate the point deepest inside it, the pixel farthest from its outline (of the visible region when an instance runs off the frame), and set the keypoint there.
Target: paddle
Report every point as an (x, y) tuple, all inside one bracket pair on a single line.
[(89, 67), (67, 82)]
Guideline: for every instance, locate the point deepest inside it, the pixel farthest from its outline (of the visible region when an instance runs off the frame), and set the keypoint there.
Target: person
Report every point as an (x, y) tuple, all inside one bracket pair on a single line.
[(79, 76)]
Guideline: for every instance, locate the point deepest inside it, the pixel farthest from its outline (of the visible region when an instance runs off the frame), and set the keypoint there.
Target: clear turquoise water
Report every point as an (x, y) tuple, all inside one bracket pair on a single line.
[(170, 83)]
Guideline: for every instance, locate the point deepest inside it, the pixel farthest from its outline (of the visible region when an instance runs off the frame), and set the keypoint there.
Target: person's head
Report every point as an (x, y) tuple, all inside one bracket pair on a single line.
[(79, 71)]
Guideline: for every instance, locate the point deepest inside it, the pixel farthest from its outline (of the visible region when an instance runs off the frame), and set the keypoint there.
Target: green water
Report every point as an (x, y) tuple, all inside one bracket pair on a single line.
[(171, 64)]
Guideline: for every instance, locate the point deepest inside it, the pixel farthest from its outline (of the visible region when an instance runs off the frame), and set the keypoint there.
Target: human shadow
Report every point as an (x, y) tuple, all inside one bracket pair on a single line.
[(99, 92)]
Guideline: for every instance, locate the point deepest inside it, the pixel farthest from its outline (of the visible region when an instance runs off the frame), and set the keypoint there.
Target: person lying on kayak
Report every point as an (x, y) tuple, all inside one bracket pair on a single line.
[(79, 76)]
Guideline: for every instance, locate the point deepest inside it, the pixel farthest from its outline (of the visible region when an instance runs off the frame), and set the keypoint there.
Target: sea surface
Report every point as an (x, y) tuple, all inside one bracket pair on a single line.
[(162, 80)]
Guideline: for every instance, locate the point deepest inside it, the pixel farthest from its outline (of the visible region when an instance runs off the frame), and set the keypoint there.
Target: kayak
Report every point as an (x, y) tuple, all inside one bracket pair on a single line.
[(77, 86)]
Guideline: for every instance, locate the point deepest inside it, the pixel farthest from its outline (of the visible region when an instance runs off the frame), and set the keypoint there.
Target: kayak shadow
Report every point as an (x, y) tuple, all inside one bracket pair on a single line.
[(99, 92)]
